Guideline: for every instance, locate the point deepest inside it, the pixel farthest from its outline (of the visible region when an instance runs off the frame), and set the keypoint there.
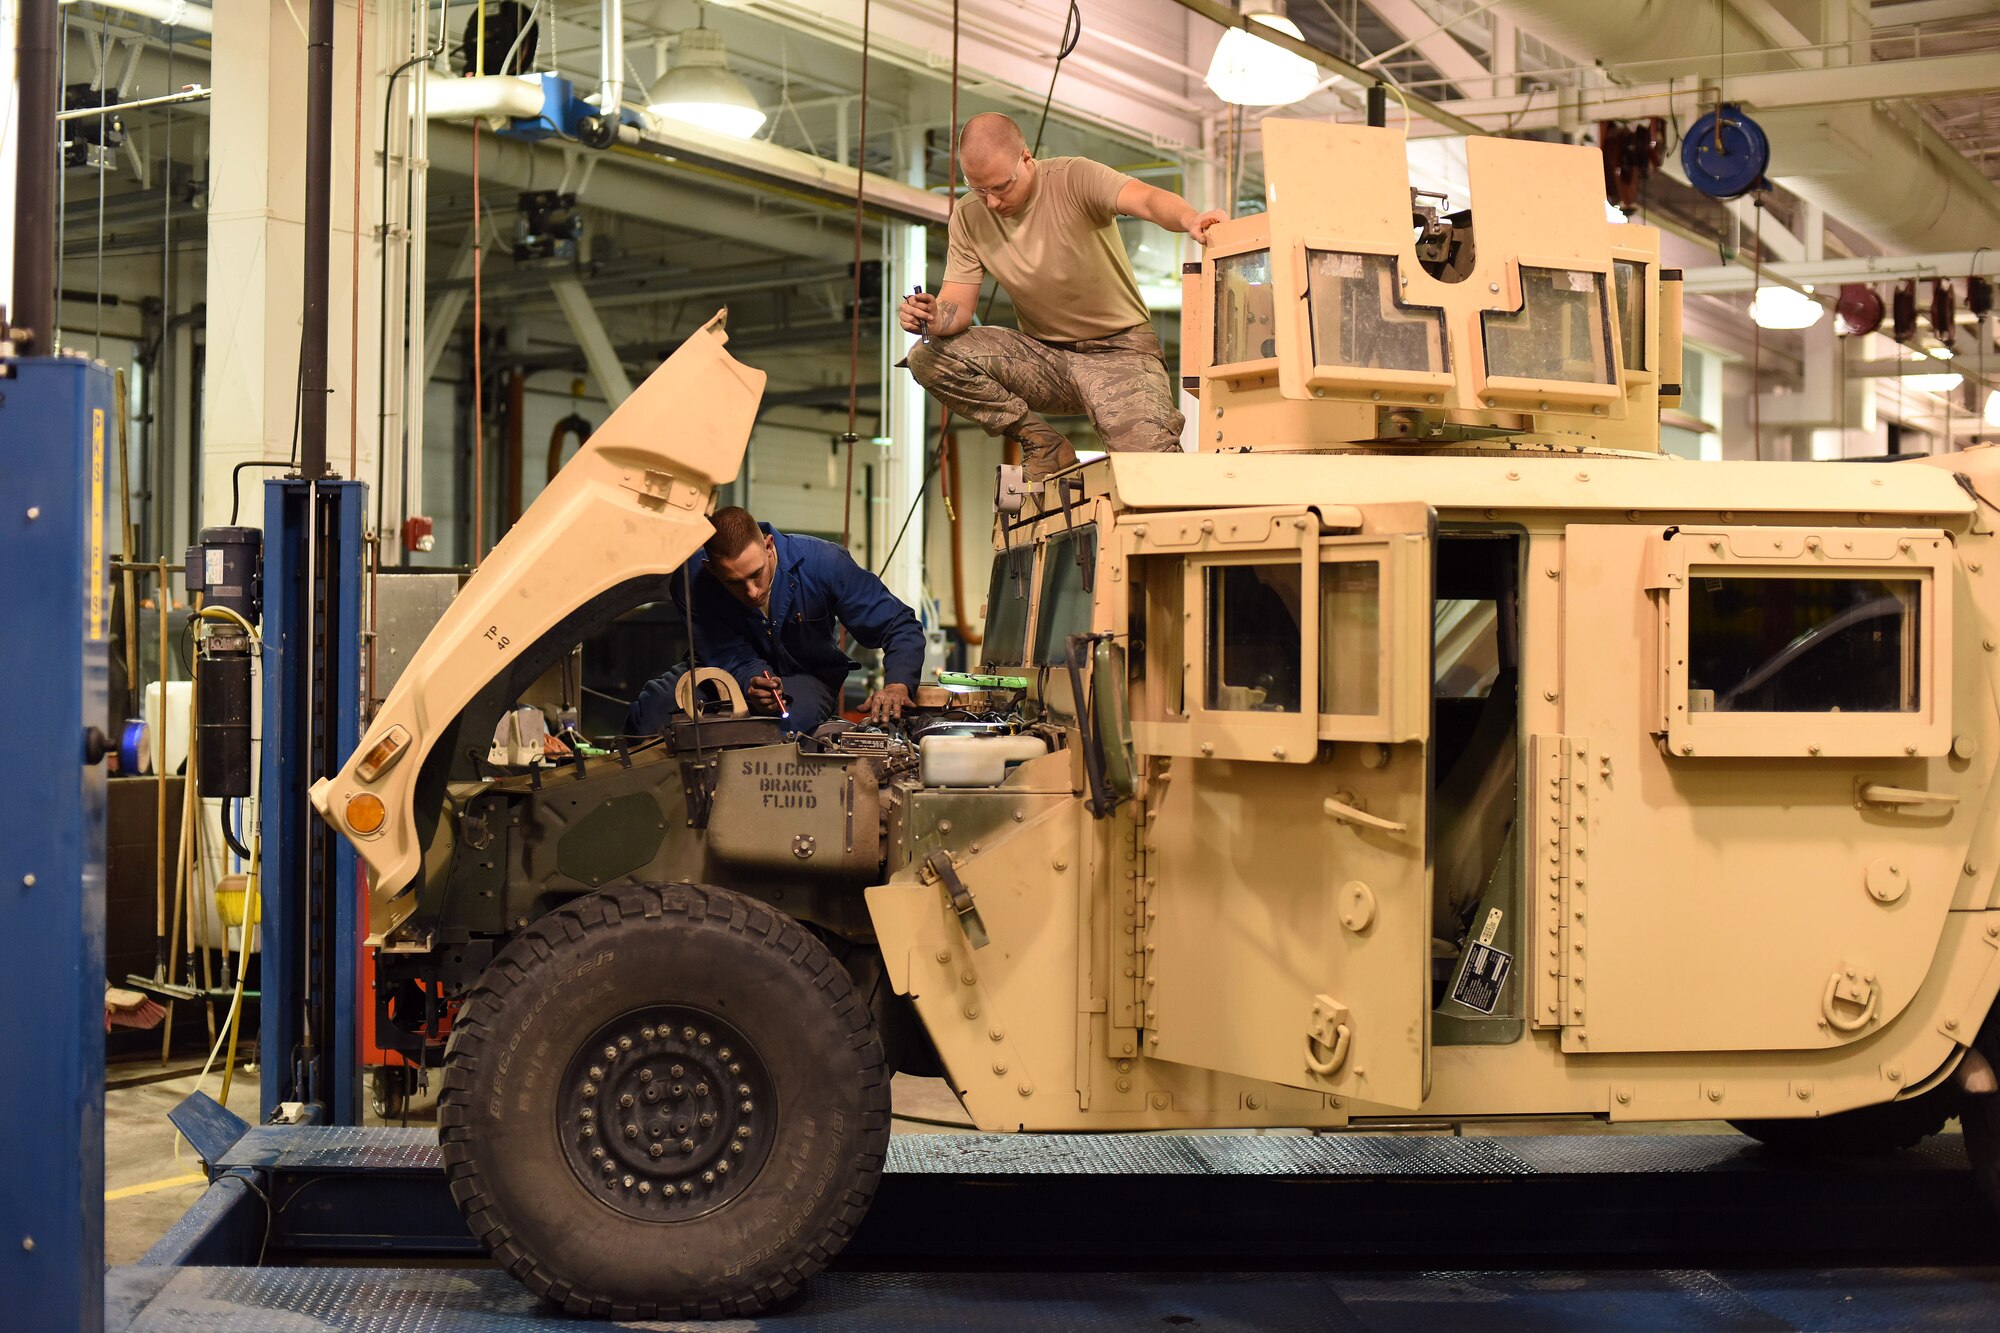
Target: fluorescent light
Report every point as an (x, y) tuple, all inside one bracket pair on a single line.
[(1783, 308), (1993, 408), (1932, 383), (1160, 295), (1941, 353), (1249, 71), (698, 88)]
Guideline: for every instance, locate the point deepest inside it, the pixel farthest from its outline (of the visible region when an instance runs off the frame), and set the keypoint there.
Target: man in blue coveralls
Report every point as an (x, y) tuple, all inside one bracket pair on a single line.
[(765, 603)]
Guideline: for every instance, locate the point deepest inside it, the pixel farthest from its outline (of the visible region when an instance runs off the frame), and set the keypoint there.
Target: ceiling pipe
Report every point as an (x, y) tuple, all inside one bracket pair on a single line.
[(611, 59), (34, 279), (1899, 186), (447, 98)]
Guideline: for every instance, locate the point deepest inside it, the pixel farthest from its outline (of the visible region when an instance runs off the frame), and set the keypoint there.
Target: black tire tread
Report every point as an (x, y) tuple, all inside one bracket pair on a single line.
[(705, 908), (1888, 1127)]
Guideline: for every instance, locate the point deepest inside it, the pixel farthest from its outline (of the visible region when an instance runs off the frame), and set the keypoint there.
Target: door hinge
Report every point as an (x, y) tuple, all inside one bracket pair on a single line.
[(1559, 777)]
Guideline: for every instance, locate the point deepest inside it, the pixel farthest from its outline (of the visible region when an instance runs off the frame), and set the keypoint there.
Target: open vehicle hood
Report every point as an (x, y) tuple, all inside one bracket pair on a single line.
[(633, 502)]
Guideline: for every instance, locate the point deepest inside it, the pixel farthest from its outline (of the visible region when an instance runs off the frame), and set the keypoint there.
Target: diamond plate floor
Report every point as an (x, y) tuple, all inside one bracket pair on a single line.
[(365, 1300)]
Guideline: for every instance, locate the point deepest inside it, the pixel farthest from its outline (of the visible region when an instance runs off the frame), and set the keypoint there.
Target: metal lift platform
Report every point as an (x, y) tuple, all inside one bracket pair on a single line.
[(354, 1229)]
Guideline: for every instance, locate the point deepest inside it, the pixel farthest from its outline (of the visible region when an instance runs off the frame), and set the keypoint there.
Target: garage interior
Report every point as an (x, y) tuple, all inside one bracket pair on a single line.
[(421, 297)]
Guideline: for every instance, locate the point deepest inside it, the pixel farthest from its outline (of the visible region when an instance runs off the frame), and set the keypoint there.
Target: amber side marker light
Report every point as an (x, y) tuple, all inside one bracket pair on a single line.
[(383, 756), (365, 813)]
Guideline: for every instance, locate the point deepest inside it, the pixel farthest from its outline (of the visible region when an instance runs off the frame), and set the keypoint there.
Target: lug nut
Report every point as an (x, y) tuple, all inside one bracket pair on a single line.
[(645, 1187), (597, 1154), (657, 1150), (687, 1034), (707, 1119), (645, 1076), (647, 1033), (742, 1089), (596, 1072), (610, 1168), (708, 1177), (625, 1101), (746, 1108), (722, 1054), (736, 1147), (701, 1089), (687, 1145), (631, 1131), (743, 1131), (590, 1089), (702, 1040), (624, 1043), (675, 1072)]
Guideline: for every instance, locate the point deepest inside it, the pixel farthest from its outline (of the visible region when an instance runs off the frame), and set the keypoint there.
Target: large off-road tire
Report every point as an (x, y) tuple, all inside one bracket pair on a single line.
[(664, 1101), (1888, 1127)]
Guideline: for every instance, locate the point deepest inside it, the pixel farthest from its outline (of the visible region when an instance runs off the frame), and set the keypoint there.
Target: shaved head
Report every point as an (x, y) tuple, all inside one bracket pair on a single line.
[(990, 138)]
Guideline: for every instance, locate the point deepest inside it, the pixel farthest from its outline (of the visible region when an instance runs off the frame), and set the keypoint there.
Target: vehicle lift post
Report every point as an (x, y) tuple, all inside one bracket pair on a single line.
[(313, 642), (55, 413)]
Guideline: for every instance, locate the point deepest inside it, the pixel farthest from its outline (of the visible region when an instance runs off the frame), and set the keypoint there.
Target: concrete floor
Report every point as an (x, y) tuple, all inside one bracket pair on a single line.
[(148, 1185)]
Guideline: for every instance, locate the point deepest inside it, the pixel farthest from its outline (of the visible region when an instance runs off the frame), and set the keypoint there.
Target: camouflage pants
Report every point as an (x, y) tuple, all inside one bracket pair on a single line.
[(1003, 379)]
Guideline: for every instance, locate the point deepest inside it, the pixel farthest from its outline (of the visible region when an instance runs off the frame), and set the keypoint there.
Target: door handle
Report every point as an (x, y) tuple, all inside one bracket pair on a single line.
[(1344, 813), (1877, 793)]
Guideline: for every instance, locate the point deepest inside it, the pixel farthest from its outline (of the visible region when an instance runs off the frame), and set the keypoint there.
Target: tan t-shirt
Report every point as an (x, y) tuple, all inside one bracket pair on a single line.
[(1061, 258)]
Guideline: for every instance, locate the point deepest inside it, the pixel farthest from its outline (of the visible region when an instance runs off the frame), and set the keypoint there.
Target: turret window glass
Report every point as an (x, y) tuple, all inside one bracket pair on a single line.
[(1359, 319), (1245, 319), (1561, 332), (1253, 637), (1007, 609)]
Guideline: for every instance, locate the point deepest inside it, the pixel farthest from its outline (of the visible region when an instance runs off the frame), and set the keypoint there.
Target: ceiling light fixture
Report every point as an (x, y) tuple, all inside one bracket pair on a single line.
[(1933, 383), (699, 88), (1249, 71), (1783, 308), (1993, 409)]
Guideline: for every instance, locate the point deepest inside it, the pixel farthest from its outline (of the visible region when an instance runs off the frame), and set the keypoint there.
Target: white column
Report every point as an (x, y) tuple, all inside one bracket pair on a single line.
[(256, 234), (903, 407)]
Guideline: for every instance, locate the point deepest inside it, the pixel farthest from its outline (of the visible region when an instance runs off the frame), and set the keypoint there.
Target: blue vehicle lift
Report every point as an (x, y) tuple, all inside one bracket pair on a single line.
[(54, 415)]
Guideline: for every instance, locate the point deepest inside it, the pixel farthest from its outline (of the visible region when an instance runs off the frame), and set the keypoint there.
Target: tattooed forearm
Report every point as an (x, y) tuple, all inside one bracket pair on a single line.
[(947, 317)]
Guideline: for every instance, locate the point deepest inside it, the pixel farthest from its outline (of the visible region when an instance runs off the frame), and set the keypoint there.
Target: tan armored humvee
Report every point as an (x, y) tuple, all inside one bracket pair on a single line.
[(1426, 747)]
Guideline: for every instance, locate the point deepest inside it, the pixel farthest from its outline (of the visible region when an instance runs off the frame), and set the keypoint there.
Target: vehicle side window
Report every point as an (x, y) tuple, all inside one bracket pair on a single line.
[(1350, 637), (1803, 645), (1253, 637), (1065, 604), (1628, 281), (1007, 609)]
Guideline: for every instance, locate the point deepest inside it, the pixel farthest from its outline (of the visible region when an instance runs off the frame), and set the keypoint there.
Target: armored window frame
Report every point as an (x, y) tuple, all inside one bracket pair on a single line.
[(1402, 635), (1921, 556), (1200, 541), (1212, 273)]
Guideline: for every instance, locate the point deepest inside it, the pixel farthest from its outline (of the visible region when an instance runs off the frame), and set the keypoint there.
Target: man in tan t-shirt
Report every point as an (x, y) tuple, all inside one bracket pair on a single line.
[(1047, 231)]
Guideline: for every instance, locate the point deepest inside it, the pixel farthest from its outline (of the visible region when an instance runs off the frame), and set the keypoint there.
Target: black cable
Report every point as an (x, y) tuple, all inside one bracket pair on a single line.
[(229, 833), (236, 483), (1072, 34)]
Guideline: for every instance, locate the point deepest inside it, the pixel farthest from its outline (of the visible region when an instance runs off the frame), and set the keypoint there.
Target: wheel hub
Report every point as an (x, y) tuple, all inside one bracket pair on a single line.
[(666, 1113)]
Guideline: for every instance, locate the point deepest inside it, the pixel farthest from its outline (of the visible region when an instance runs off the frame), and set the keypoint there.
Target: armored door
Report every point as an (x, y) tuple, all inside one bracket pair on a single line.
[(1283, 684)]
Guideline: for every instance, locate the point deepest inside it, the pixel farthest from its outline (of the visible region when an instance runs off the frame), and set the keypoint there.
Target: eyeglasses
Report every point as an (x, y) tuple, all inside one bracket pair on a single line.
[(988, 191)]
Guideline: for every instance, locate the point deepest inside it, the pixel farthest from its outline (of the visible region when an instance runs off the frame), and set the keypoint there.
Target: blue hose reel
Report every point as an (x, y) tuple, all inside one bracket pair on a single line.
[(1725, 153)]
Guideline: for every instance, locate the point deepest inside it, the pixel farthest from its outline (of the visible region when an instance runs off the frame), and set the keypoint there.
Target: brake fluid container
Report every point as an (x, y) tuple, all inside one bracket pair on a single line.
[(973, 761)]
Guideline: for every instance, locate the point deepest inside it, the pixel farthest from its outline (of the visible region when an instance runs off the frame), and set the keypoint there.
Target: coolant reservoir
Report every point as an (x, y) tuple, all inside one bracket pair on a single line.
[(974, 761)]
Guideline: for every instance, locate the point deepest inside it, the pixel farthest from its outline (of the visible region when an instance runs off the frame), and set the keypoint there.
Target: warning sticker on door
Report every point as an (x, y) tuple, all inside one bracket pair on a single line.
[(1485, 973)]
